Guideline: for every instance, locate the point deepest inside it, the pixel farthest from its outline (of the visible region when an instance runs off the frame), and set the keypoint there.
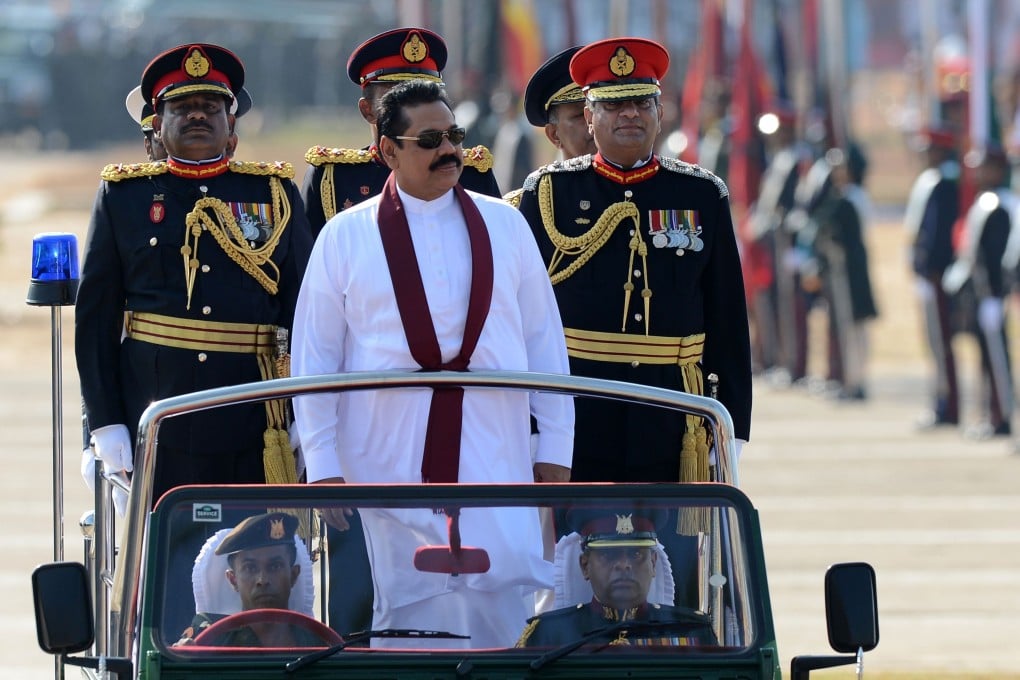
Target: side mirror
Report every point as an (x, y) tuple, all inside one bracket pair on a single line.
[(851, 615), (851, 607), (63, 607)]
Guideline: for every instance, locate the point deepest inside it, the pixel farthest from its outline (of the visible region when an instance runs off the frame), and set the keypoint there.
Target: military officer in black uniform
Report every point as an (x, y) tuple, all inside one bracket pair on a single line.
[(618, 558), (190, 267), (644, 262), (643, 258), (340, 178), (933, 207), (203, 320)]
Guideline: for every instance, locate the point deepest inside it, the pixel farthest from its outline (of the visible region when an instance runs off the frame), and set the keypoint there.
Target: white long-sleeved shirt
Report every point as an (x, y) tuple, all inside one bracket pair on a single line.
[(347, 320)]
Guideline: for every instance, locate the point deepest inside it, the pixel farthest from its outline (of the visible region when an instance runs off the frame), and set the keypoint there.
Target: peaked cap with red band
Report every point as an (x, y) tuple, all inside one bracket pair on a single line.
[(627, 527), (189, 69), (397, 55), (620, 68)]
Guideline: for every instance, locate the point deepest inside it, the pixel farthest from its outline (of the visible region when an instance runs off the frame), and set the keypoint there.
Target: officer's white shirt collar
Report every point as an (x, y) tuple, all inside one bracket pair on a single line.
[(637, 165), (207, 161)]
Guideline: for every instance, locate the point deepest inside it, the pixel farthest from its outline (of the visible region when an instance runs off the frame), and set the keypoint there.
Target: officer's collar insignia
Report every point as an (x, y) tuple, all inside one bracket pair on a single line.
[(624, 524), (414, 49), (621, 64), (197, 170), (610, 171), (196, 64), (276, 529), (584, 205)]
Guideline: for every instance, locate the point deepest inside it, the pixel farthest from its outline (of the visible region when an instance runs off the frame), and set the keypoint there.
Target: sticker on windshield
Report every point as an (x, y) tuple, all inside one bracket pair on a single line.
[(206, 512)]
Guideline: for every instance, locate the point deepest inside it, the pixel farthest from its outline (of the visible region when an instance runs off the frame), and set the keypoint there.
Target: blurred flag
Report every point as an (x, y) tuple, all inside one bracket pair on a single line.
[(704, 63), (749, 101), (522, 42)]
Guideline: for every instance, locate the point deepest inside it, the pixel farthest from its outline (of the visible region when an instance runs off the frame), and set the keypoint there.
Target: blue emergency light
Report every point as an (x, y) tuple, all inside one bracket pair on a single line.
[(54, 270)]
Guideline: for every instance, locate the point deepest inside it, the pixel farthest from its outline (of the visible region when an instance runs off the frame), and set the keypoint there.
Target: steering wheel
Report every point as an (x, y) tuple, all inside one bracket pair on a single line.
[(216, 632)]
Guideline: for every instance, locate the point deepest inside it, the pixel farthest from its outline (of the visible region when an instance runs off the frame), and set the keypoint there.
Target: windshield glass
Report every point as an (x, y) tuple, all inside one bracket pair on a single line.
[(523, 569)]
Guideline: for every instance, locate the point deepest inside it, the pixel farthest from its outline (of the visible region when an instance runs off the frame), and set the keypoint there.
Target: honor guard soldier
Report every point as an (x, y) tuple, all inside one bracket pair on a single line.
[(933, 207), (643, 258), (340, 178), (981, 284), (205, 255), (618, 559), (770, 281)]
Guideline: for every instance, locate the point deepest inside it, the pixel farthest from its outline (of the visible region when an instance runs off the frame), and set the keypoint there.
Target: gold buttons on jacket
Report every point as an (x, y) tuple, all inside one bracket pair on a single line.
[(202, 356), (153, 241), (207, 310)]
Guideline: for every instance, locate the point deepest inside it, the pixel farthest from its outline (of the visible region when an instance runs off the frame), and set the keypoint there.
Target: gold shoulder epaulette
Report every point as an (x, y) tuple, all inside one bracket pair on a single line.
[(118, 171), (274, 168), (684, 168), (569, 165), (514, 197), (479, 158), (320, 155)]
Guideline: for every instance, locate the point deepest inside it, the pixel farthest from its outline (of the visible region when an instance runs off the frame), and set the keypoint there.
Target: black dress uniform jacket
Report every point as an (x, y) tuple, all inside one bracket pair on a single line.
[(133, 263), (691, 268), (563, 626), (359, 174)]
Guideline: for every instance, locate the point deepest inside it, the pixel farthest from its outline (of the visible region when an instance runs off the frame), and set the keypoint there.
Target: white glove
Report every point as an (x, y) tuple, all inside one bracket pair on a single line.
[(88, 472), (989, 314), (924, 289), (113, 446)]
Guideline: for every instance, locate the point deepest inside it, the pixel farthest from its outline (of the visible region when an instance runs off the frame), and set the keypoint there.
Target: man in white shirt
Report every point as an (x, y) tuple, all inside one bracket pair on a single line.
[(427, 275)]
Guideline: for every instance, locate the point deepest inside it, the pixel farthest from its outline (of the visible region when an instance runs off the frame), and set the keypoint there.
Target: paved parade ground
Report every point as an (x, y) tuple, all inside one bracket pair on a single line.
[(937, 515)]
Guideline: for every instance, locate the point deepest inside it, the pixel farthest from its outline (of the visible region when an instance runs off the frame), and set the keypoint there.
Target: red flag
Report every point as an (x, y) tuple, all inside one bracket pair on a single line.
[(748, 104), (522, 43), (704, 63)]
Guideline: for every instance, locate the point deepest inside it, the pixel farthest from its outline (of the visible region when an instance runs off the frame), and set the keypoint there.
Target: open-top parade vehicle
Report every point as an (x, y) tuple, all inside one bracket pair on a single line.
[(722, 626)]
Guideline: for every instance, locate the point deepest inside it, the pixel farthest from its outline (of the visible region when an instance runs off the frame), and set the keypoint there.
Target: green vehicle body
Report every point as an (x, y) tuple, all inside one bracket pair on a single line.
[(731, 565)]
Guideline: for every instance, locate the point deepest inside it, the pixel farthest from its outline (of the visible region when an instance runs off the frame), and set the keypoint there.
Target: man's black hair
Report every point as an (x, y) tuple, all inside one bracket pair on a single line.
[(391, 118)]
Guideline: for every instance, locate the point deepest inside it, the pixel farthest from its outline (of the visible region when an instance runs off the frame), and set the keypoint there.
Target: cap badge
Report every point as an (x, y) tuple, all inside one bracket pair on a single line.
[(621, 63), (196, 64), (276, 531), (624, 524), (414, 49)]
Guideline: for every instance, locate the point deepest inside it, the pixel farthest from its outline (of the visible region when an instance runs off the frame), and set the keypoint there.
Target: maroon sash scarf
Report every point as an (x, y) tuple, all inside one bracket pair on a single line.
[(441, 461)]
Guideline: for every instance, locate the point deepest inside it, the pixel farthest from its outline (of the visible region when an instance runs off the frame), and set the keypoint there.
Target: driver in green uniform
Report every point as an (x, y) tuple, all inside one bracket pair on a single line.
[(618, 558), (262, 559)]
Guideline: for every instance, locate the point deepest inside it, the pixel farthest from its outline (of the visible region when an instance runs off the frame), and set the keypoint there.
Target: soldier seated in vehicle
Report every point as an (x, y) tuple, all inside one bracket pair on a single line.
[(618, 558), (262, 568)]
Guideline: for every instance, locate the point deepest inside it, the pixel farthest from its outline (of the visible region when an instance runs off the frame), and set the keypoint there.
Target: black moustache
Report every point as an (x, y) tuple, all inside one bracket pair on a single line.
[(443, 160), (196, 126)]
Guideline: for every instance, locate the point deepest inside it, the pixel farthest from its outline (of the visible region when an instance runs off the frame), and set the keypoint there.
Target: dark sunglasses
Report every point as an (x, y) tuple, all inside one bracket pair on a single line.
[(433, 138)]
